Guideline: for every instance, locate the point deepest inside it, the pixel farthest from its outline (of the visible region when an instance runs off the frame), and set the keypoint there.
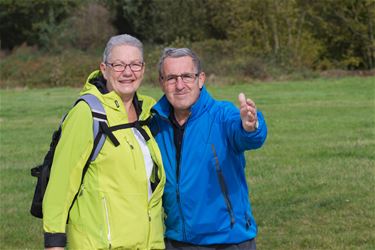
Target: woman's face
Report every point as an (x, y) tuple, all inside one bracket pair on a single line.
[(123, 70)]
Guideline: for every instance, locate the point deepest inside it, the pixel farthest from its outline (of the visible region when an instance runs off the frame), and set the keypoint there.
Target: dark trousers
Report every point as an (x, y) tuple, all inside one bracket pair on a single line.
[(246, 245)]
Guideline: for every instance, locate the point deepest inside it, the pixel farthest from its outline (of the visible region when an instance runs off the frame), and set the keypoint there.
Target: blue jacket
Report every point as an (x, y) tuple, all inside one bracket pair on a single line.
[(207, 201)]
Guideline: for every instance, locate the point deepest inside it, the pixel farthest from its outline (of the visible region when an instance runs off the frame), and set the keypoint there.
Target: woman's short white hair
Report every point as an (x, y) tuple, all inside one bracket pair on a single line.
[(123, 39)]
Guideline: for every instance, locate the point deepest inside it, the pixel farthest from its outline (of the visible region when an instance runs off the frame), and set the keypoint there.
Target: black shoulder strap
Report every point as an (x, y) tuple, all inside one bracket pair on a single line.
[(137, 124)]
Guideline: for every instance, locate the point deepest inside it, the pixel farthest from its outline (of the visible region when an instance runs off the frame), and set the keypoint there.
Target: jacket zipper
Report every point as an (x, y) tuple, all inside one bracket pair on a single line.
[(223, 187), (177, 177), (178, 170), (149, 226), (107, 220), (180, 209), (148, 201)]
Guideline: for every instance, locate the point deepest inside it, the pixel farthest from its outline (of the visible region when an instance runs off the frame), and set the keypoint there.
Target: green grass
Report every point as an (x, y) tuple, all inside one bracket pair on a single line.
[(312, 184)]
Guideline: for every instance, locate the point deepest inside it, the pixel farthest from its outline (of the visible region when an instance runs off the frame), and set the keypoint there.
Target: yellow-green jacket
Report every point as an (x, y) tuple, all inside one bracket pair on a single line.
[(112, 209)]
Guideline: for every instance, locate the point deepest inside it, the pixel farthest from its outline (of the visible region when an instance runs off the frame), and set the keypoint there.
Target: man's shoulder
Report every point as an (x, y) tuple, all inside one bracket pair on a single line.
[(222, 108)]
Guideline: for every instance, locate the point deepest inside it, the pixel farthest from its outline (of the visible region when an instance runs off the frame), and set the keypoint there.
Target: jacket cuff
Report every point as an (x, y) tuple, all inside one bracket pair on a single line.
[(54, 240)]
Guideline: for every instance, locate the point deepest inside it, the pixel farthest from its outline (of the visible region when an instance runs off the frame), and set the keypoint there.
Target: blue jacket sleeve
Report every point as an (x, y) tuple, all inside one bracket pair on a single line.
[(242, 140)]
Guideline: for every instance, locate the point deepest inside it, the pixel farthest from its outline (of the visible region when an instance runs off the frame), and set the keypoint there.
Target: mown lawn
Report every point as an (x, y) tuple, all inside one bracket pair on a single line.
[(312, 184)]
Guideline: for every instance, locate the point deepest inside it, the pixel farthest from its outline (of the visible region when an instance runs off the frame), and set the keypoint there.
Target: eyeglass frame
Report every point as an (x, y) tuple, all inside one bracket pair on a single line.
[(125, 65), (175, 77)]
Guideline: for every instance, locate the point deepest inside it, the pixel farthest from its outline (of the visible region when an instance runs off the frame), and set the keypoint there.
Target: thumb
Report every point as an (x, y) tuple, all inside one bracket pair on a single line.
[(242, 98)]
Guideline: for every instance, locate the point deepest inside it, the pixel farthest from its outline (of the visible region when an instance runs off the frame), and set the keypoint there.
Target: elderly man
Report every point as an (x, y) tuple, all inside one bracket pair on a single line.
[(202, 142)]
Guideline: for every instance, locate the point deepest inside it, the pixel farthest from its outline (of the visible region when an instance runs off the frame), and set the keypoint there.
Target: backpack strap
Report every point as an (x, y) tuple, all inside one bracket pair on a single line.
[(99, 117), (100, 125), (137, 124)]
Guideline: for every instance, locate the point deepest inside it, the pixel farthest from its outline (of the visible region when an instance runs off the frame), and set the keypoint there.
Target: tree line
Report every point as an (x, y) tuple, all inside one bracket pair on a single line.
[(299, 34)]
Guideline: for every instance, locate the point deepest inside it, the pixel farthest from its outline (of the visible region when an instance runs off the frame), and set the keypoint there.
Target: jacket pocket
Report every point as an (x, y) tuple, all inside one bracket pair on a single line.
[(223, 186), (105, 207)]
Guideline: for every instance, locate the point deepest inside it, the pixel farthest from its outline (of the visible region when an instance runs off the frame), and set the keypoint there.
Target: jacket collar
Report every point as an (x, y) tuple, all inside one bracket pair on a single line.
[(96, 80)]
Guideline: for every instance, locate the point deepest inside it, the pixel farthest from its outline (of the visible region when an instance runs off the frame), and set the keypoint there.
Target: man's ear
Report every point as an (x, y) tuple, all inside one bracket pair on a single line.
[(201, 79), (161, 84)]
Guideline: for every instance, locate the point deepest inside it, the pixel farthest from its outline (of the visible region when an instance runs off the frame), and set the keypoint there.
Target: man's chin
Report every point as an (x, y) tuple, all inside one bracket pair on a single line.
[(181, 107)]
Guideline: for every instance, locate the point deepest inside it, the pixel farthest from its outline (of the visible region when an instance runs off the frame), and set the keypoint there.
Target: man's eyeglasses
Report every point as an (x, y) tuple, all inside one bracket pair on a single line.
[(119, 67), (186, 78)]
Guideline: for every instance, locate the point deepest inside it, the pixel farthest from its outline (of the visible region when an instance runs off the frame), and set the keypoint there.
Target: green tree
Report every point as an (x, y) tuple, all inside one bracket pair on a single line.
[(272, 30), (92, 28), (347, 31), (162, 21), (31, 21)]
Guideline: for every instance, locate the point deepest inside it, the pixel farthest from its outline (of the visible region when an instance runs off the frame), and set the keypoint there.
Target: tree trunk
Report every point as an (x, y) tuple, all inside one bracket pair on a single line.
[(273, 16), (371, 54)]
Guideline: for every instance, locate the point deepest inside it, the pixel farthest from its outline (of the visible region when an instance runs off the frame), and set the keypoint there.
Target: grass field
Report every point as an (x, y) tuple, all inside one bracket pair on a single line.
[(312, 184)]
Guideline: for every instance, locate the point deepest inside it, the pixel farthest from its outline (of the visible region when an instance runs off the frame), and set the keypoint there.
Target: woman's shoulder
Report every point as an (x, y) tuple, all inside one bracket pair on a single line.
[(79, 113)]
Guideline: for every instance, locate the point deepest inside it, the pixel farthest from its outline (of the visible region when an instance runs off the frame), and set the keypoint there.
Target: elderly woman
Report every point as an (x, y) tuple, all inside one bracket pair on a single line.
[(119, 201)]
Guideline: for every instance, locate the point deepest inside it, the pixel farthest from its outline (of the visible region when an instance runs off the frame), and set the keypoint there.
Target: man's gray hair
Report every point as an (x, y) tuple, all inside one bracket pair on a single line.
[(176, 53), (124, 39)]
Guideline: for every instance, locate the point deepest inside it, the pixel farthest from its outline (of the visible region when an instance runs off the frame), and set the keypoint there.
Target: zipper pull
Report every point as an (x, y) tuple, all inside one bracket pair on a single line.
[(149, 215), (131, 146), (231, 222), (248, 223), (81, 190)]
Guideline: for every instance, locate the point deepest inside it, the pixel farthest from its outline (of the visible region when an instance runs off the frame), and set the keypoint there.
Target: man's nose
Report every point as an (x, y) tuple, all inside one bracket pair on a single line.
[(179, 83)]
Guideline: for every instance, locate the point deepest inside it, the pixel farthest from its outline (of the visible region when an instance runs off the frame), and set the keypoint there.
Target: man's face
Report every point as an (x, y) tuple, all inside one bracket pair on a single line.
[(182, 94)]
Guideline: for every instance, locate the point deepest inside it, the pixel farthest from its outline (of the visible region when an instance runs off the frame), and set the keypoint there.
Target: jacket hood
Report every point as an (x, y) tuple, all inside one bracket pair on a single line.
[(96, 85), (164, 108)]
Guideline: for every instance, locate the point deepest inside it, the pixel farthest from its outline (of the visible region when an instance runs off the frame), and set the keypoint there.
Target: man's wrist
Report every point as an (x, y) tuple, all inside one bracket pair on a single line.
[(251, 128)]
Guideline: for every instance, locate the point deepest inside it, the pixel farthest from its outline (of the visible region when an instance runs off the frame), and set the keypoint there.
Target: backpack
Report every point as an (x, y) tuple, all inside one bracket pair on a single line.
[(100, 131)]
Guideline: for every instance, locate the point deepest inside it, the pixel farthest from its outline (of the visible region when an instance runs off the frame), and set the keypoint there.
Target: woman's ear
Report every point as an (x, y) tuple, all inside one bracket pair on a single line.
[(103, 69)]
